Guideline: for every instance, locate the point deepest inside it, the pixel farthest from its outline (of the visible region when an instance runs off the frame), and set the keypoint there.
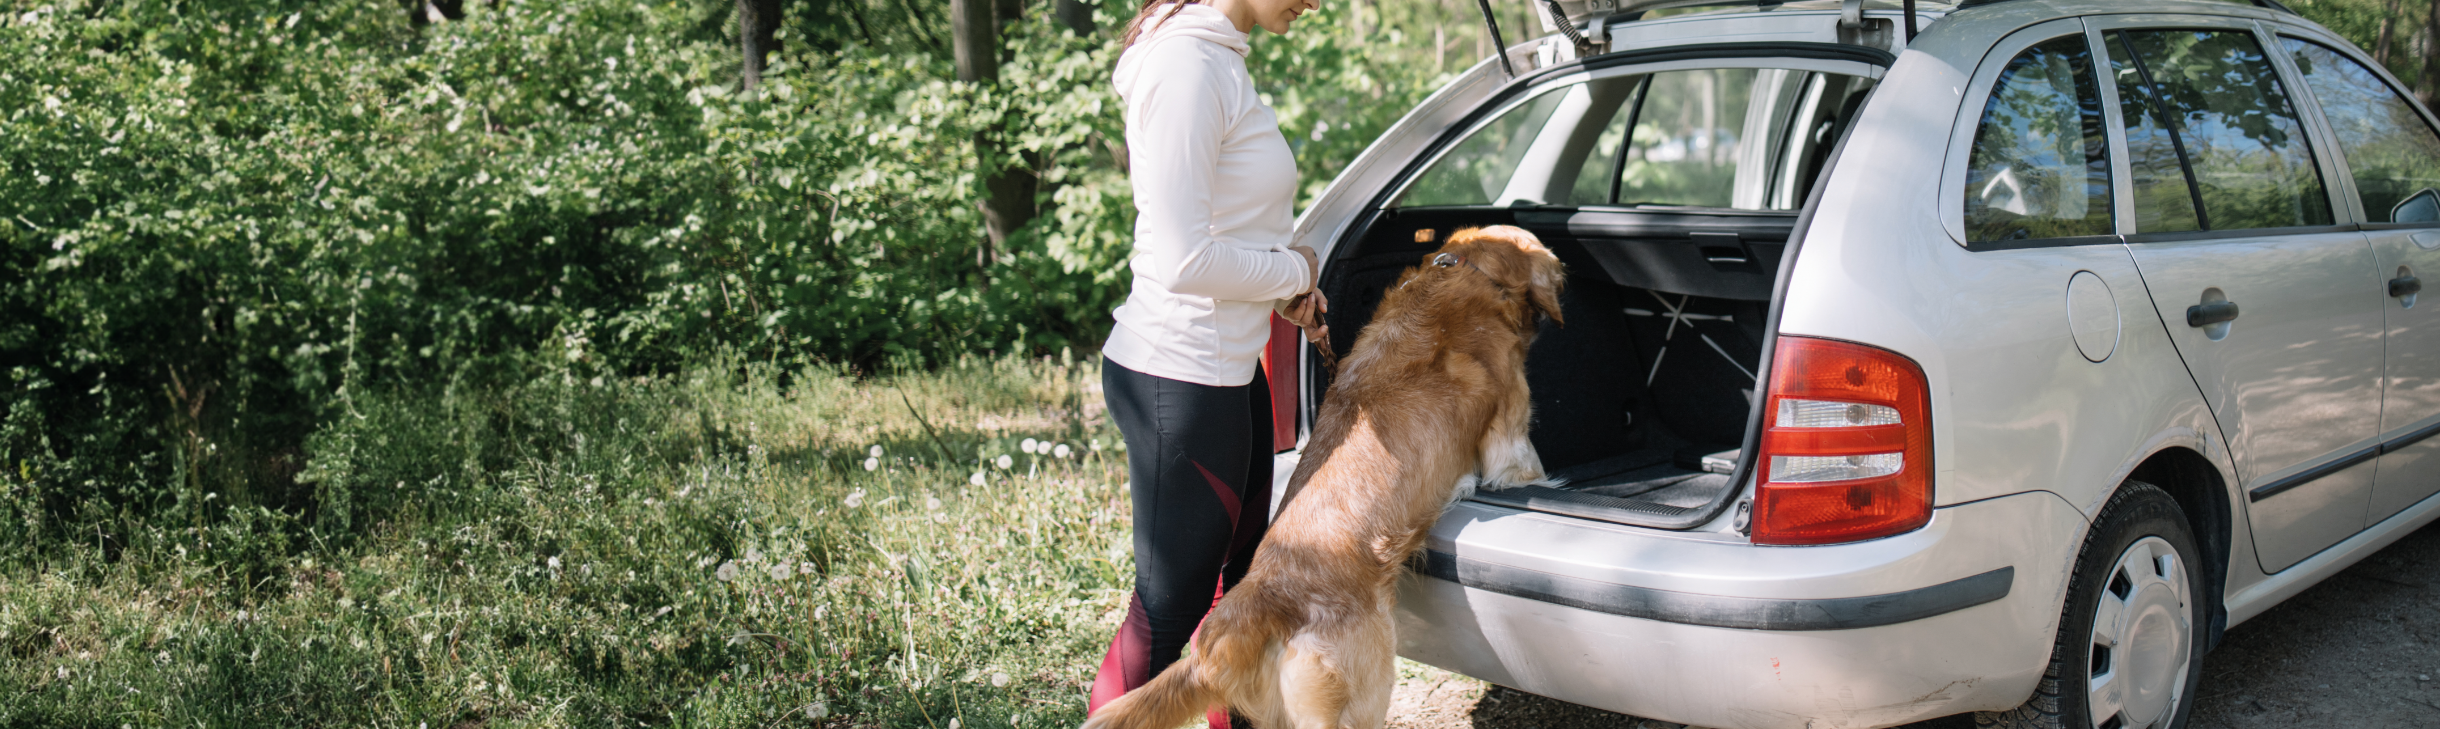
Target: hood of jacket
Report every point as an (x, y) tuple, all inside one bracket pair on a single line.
[(1193, 21)]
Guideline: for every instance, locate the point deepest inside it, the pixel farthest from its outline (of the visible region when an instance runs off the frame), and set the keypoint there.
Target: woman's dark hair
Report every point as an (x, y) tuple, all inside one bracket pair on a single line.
[(1136, 26)]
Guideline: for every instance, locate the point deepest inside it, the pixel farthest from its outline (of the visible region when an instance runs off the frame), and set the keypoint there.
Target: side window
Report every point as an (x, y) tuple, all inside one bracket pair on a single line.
[(2164, 200), (1687, 137), (1739, 138), (1479, 168), (2219, 102), (2040, 163), (2390, 150)]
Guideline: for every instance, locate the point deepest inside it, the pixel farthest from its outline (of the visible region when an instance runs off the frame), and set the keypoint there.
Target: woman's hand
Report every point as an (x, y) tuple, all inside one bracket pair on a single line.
[(1305, 311)]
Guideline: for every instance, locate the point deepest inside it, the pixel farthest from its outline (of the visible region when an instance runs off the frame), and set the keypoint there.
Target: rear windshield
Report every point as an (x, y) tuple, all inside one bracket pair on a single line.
[(1735, 138)]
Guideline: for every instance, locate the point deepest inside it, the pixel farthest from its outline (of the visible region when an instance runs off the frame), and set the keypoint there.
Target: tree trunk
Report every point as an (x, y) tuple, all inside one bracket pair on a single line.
[(974, 40), (427, 12), (1008, 194), (2431, 56), (1077, 16), (2389, 22), (757, 31)]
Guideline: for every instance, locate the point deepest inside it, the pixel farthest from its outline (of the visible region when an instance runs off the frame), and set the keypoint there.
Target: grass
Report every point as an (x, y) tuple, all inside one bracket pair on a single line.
[(549, 548)]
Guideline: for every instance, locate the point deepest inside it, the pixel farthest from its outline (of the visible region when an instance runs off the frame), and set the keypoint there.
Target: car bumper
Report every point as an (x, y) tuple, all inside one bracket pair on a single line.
[(1957, 616)]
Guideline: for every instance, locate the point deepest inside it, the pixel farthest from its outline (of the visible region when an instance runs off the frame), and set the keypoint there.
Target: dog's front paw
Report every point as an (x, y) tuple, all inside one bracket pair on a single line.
[(1488, 485)]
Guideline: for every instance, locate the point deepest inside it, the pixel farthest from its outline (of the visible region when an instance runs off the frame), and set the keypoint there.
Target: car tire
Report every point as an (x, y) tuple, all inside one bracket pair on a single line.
[(2129, 654)]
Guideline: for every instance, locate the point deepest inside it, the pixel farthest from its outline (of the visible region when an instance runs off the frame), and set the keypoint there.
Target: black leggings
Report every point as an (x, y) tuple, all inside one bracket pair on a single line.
[(1200, 462)]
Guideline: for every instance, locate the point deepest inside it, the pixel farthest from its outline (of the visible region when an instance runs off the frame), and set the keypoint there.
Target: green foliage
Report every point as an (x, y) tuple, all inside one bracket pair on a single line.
[(361, 372), (538, 548)]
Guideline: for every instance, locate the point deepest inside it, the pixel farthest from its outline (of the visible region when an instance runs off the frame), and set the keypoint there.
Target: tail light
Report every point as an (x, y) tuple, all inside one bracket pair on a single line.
[(1280, 365), (1846, 445)]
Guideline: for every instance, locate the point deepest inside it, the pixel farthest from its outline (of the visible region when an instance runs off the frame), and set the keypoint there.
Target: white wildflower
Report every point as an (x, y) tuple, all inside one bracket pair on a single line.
[(782, 571), (999, 680), (874, 452), (976, 479), (931, 503), (818, 711), (727, 571), (804, 568), (63, 673), (553, 562), (953, 723), (855, 498), (428, 638), (1095, 445), (872, 464), (1030, 445), (1004, 462), (753, 555), (1061, 450)]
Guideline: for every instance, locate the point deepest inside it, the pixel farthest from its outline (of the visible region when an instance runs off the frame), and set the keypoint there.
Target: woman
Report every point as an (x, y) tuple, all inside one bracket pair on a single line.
[(1214, 183)]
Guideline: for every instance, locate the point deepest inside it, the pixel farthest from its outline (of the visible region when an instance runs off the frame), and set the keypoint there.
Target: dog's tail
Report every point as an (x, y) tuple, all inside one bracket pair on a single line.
[(1227, 662)]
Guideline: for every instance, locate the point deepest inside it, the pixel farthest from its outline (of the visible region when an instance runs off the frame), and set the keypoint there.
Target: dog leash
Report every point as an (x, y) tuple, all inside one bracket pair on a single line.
[(1320, 342)]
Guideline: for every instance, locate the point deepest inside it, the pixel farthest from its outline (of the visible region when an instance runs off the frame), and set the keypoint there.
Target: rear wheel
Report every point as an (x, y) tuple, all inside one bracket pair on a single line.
[(2128, 654)]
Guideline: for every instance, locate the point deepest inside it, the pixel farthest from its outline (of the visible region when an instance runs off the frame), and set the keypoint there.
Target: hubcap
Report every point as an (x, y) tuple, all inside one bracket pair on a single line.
[(2140, 639)]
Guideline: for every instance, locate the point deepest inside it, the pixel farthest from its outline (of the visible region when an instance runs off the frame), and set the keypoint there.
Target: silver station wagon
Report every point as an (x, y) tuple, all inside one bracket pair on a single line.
[(1993, 357)]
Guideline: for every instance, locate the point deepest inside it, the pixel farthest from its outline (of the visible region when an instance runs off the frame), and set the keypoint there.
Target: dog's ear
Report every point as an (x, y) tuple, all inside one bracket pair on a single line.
[(1549, 277)]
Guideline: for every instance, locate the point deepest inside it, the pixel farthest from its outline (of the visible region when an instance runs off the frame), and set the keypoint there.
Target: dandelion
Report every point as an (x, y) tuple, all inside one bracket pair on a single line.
[(817, 711), (1060, 450), (727, 571), (1004, 462), (780, 572), (804, 568), (1030, 445), (953, 723), (855, 498), (1096, 445), (753, 555), (553, 562), (875, 451), (976, 479), (931, 503), (872, 464), (999, 680)]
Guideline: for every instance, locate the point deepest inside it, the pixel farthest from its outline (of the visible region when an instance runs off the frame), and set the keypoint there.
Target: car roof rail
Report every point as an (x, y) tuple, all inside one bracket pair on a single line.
[(2274, 5)]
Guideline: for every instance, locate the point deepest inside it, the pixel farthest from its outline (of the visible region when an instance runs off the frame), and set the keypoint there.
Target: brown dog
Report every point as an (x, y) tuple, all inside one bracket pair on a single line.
[(1431, 401)]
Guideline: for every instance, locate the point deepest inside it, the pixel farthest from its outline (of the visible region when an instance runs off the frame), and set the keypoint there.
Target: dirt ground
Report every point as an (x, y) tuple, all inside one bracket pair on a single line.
[(2361, 649)]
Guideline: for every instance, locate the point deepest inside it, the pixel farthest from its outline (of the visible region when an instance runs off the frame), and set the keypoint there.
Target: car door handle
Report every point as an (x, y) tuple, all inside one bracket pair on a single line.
[(2404, 286), (2203, 315)]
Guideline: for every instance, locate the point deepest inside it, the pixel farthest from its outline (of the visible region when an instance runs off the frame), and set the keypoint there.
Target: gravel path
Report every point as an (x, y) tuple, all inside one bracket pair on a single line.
[(2361, 649)]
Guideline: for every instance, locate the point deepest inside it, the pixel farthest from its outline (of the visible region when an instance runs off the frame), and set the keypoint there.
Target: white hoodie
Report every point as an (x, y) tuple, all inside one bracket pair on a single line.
[(1213, 184)]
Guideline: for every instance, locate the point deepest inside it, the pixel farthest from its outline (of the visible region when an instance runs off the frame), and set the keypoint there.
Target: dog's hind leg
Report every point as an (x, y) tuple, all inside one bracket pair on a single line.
[(1313, 687), (1369, 658)]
